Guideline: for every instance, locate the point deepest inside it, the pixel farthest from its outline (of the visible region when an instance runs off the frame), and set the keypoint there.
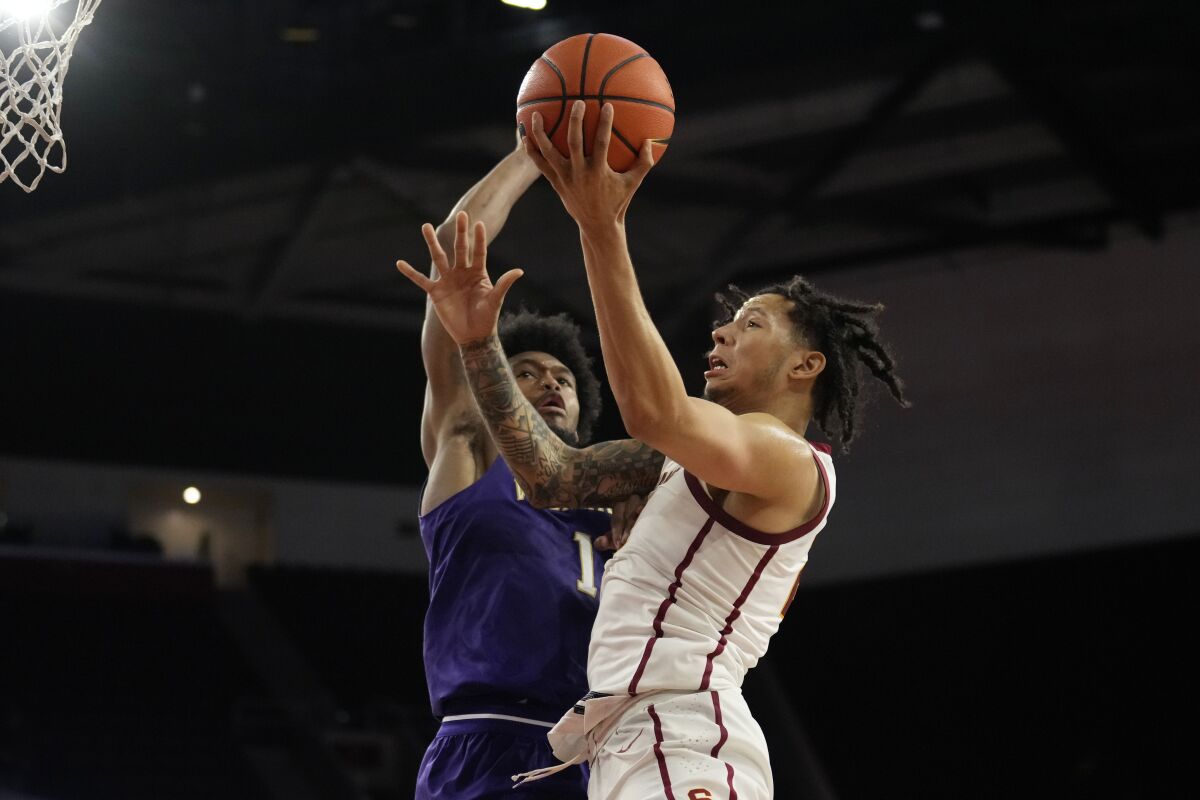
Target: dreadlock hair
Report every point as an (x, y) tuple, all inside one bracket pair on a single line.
[(560, 337), (844, 331)]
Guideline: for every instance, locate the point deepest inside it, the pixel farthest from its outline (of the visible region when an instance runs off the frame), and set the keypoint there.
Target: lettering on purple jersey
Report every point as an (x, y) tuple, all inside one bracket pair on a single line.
[(587, 565)]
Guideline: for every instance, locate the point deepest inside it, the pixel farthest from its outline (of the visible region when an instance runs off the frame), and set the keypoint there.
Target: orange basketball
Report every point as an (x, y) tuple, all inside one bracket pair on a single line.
[(599, 68)]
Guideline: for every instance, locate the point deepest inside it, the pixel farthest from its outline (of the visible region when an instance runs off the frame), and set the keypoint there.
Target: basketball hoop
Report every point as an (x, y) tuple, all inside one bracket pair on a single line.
[(36, 41)]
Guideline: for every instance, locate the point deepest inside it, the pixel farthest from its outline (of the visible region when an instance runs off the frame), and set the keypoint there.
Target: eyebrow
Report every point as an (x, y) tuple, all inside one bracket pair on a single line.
[(531, 362)]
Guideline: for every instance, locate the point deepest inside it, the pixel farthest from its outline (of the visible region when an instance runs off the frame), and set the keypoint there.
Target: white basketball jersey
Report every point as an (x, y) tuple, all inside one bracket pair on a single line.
[(692, 599)]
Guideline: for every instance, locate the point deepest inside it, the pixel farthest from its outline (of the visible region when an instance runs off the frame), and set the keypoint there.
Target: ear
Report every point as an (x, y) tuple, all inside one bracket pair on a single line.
[(807, 365)]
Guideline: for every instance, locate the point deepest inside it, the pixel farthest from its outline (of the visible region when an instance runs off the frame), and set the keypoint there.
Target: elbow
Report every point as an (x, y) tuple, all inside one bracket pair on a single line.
[(637, 417), (648, 424), (638, 426), (653, 414)]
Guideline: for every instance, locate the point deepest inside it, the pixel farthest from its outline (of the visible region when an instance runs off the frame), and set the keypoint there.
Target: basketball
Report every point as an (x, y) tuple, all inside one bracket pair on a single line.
[(599, 68)]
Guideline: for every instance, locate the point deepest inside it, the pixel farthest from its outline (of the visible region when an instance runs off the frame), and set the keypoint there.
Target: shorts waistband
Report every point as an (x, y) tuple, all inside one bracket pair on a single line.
[(493, 723), (502, 708)]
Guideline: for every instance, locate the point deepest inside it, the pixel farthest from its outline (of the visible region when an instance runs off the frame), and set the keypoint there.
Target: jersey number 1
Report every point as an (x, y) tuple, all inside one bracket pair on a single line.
[(587, 565)]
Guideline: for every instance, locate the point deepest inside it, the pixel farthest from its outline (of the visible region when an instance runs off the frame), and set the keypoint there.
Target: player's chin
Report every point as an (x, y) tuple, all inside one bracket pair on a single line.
[(715, 393), (568, 435)]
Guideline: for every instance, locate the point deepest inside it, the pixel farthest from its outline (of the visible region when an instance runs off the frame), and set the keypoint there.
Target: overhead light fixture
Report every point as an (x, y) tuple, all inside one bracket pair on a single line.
[(191, 495), (532, 5), (26, 9)]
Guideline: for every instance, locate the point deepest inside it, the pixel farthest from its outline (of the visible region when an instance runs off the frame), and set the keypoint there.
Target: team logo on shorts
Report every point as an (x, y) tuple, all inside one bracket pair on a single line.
[(700, 794)]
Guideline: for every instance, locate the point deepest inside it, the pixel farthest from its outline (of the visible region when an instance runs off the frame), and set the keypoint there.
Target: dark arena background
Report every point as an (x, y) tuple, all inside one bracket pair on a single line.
[(1003, 604)]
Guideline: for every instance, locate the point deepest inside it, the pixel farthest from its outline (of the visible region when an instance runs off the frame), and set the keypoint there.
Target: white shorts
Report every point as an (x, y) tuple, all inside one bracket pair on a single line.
[(685, 746)]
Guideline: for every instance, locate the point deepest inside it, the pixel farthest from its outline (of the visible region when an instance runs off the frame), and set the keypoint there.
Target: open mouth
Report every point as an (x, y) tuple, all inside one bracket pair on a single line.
[(715, 366), (551, 403)]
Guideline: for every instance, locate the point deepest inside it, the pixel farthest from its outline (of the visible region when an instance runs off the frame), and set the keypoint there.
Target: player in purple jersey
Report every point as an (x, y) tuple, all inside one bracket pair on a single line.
[(513, 585)]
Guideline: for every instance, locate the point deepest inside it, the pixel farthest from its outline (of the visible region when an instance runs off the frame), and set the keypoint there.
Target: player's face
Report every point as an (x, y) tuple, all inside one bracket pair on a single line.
[(746, 364), (550, 387)]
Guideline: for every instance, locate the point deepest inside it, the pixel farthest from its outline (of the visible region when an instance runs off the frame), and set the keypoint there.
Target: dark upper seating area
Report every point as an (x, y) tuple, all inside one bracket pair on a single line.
[(122, 680), (360, 630), (119, 682), (1068, 674)]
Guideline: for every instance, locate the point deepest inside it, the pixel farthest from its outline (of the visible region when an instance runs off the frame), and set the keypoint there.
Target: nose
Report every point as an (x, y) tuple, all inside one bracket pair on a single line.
[(719, 335), (548, 382)]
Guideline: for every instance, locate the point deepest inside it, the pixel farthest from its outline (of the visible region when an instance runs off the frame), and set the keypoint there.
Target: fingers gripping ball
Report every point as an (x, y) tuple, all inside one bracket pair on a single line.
[(599, 68)]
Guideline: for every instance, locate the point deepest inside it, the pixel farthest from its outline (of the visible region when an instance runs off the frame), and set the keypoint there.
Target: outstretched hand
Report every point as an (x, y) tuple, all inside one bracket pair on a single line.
[(591, 191), (463, 296)]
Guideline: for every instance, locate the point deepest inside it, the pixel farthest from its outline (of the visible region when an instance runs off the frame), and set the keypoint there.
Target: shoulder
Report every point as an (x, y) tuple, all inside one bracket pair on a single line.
[(771, 432), (781, 448)]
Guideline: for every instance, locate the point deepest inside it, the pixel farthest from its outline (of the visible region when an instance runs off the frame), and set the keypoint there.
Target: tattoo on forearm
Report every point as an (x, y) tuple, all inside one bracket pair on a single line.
[(552, 473)]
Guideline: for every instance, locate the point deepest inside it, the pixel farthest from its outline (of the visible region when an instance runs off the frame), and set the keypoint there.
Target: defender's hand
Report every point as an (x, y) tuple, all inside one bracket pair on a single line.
[(624, 514), (463, 296), (592, 192)]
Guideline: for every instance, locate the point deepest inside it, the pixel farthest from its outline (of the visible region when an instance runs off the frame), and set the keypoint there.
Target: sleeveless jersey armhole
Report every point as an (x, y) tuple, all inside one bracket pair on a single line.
[(734, 525), (487, 474)]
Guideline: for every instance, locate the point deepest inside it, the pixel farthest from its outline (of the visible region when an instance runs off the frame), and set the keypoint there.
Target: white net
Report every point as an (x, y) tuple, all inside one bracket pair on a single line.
[(37, 38)]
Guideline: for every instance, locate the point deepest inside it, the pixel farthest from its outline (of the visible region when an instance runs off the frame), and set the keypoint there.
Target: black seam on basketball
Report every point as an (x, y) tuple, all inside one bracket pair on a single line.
[(561, 80), (540, 100), (609, 98), (624, 141), (562, 100), (604, 82), (621, 99), (587, 48)]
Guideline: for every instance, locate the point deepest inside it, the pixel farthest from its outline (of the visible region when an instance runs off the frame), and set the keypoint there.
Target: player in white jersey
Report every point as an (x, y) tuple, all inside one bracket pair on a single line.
[(727, 586), (690, 602)]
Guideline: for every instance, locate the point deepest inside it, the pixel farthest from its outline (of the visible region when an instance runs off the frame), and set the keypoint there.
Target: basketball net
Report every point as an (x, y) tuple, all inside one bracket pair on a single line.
[(36, 42)]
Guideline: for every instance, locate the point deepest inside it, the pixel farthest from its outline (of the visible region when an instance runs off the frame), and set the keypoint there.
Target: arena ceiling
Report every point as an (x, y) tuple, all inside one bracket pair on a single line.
[(266, 162)]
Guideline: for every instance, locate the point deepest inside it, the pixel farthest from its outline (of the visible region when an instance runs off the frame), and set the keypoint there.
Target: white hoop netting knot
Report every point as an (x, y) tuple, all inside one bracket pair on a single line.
[(37, 38)]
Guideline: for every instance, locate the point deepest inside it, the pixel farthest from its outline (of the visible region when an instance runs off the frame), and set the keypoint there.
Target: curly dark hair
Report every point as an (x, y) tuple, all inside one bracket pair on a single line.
[(559, 336), (844, 332)]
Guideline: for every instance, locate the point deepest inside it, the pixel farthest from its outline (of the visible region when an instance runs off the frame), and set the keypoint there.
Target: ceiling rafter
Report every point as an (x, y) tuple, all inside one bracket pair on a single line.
[(275, 266), (1082, 137), (722, 261)]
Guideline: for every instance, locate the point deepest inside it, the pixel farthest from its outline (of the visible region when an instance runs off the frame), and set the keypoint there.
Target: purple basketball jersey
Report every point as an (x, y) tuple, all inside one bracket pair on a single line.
[(513, 591)]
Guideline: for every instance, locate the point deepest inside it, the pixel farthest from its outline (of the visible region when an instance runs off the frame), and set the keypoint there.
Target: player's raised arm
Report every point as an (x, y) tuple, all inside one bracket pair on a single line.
[(751, 453), (448, 403), (552, 472)]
